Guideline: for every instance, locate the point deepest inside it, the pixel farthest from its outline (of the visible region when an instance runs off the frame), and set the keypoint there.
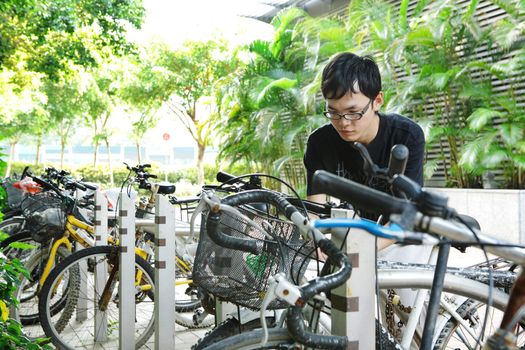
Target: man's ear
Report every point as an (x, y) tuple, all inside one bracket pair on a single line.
[(378, 101)]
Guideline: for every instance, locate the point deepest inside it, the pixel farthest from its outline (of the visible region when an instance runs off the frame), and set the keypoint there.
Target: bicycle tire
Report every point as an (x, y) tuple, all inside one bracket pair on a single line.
[(190, 323), (27, 291), (14, 227), (228, 328), (452, 285), (279, 338), (58, 332), (453, 336)]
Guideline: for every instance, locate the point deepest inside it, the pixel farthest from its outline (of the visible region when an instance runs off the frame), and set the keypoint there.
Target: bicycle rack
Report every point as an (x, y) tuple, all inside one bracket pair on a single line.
[(353, 303), (164, 304), (101, 270)]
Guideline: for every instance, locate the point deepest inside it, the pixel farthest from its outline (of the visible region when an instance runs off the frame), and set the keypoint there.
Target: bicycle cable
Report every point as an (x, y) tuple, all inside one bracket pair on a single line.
[(233, 180)]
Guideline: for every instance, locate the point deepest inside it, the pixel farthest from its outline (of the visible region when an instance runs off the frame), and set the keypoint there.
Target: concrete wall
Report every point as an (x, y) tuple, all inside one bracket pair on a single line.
[(499, 212)]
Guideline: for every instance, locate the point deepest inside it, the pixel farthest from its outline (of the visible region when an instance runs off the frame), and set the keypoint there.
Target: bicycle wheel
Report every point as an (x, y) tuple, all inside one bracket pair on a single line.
[(448, 334), (14, 227), (229, 328), (279, 338), (187, 297), (79, 331), (455, 335), (28, 289)]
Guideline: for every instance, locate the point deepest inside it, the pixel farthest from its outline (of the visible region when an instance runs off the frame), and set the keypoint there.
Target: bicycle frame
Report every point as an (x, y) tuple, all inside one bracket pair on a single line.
[(85, 240)]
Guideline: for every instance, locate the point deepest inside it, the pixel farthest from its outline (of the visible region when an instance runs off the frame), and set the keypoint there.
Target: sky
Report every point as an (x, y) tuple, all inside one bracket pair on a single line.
[(175, 21)]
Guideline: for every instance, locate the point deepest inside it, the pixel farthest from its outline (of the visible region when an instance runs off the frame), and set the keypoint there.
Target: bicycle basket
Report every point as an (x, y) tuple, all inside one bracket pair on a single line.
[(14, 195), (240, 277), (45, 216)]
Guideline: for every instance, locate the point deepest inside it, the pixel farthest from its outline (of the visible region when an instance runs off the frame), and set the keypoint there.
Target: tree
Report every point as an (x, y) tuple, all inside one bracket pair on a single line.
[(99, 99), (194, 71), (51, 33), (144, 89), (21, 103), (271, 105), (65, 108)]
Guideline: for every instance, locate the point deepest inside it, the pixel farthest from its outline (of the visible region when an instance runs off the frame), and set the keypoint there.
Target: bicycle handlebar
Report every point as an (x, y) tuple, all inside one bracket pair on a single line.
[(294, 316), (364, 197), (398, 160), (235, 200), (47, 185)]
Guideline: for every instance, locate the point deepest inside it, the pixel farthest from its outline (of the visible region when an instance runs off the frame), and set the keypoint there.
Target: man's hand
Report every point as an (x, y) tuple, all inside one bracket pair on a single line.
[(318, 198)]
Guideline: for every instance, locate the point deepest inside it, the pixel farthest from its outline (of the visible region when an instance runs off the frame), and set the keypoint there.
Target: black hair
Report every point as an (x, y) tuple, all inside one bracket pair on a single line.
[(344, 70)]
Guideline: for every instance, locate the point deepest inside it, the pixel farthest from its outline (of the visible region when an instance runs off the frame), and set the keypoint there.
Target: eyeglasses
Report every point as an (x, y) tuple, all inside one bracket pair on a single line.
[(347, 116)]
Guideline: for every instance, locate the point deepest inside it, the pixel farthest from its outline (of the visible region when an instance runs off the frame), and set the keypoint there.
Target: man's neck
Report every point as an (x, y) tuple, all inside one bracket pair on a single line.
[(372, 132)]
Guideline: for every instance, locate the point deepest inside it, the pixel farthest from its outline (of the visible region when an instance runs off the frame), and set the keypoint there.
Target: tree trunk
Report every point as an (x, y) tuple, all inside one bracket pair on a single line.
[(95, 154), (138, 151), (200, 163), (38, 145), (62, 151), (12, 145), (109, 163)]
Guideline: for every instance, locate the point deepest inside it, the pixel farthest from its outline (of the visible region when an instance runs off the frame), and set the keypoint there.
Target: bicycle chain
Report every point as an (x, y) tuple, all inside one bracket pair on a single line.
[(391, 300)]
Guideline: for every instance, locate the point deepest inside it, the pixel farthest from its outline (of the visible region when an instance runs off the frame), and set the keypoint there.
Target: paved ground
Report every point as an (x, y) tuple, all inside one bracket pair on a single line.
[(184, 338)]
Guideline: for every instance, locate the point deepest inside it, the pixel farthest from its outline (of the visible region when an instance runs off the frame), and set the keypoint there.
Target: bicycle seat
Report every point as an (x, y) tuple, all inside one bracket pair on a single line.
[(166, 188)]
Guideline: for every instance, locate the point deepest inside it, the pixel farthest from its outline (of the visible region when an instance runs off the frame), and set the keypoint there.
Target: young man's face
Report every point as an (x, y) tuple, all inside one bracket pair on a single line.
[(362, 130)]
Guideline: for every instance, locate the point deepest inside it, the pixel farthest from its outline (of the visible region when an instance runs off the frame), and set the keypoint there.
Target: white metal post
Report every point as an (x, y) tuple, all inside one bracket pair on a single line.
[(127, 273), (82, 302), (164, 274), (353, 302), (101, 270)]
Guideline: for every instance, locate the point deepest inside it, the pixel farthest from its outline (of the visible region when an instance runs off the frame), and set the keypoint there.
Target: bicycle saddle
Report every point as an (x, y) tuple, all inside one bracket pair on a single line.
[(166, 188)]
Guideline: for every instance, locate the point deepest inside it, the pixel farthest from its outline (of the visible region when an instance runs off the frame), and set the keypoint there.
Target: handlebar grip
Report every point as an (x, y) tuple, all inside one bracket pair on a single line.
[(47, 185), (153, 176), (223, 177), (361, 196), (406, 185), (398, 160), (25, 172), (88, 186), (80, 186)]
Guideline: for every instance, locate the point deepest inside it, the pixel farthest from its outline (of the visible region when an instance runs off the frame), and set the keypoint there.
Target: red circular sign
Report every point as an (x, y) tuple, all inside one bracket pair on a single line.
[(166, 136)]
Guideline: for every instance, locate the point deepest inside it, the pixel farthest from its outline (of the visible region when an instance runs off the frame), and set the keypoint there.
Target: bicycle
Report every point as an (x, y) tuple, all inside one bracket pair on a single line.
[(450, 284), (452, 287)]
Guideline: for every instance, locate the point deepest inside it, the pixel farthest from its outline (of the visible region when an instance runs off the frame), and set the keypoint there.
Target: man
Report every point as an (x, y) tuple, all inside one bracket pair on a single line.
[(351, 86)]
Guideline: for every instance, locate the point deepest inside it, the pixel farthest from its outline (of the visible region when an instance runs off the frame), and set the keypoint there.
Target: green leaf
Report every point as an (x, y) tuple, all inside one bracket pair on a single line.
[(283, 83), (420, 36), (480, 118), (519, 159), (511, 133), (403, 8), (470, 154), (494, 158), (21, 245)]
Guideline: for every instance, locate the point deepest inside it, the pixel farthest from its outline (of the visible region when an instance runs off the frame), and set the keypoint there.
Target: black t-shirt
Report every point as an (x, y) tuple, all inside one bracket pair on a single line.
[(326, 150)]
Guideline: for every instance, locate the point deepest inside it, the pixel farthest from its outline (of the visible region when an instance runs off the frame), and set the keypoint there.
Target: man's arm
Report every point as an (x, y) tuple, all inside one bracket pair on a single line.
[(382, 243), (317, 198)]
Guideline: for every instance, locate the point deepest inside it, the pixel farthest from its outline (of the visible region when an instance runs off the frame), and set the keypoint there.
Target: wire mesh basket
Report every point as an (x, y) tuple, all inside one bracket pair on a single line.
[(14, 195), (45, 216), (240, 277)]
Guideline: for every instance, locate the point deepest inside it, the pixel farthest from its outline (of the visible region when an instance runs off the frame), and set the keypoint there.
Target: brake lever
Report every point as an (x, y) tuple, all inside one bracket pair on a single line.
[(369, 166)]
